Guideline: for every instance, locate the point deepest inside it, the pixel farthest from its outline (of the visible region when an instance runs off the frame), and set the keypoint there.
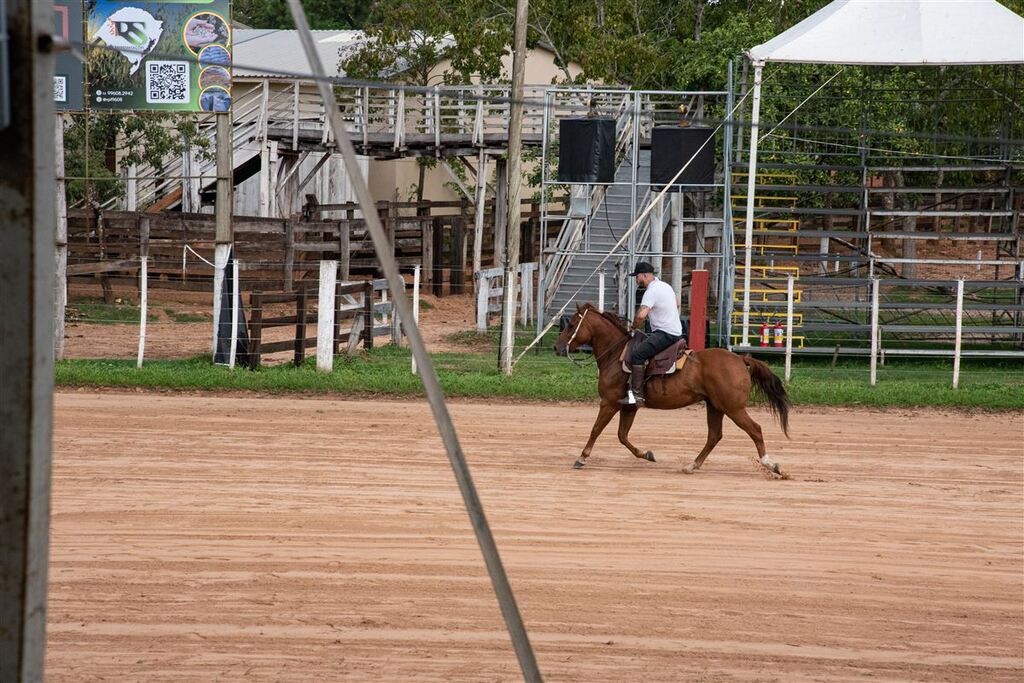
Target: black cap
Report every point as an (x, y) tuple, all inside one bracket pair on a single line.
[(642, 267)]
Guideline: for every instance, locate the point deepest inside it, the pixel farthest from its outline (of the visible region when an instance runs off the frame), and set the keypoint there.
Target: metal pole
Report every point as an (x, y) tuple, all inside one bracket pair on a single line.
[(600, 292), (874, 330), (755, 116), (789, 328), (235, 301), (676, 208), (515, 183), (727, 263), (415, 305), (478, 223), (959, 332), (542, 268), (27, 240), (634, 178), (435, 396), (60, 283)]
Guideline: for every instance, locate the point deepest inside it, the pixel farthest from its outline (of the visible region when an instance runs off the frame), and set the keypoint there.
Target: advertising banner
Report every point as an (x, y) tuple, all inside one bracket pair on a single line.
[(160, 54), (69, 72)]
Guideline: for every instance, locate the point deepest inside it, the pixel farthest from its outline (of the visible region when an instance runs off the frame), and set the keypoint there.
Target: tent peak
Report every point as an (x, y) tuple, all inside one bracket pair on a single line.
[(901, 32)]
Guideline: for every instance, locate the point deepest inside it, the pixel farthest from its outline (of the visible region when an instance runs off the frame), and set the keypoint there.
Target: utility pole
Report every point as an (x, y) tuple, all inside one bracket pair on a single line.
[(27, 255), (224, 235), (515, 182)]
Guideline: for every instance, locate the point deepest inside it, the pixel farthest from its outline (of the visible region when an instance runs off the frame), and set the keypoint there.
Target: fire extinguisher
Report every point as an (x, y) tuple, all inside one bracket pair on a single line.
[(766, 332), (780, 334)]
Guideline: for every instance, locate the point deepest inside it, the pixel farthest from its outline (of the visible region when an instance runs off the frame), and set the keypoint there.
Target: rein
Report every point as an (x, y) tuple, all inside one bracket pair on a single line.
[(597, 358)]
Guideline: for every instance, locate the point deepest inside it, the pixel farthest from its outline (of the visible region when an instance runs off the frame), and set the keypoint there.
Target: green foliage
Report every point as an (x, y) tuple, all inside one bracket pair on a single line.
[(321, 14), (93, 142), (408, 39)]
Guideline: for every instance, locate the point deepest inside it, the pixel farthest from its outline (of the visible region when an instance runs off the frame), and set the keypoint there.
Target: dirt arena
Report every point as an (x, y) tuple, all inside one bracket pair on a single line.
[(200, 538)]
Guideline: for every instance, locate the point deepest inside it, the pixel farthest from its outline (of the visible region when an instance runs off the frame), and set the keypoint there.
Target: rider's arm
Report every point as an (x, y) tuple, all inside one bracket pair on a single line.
[(641, 316)]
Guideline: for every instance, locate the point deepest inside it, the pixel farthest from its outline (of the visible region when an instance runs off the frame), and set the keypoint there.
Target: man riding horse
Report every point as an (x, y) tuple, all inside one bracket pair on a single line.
[(658, 305)]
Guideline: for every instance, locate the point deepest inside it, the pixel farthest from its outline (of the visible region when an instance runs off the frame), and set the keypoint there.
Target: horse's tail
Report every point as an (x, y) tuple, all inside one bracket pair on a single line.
[(770, 387)]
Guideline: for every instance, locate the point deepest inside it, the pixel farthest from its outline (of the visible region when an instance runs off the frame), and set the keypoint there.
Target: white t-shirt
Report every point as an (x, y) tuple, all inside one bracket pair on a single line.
[(664, 314)]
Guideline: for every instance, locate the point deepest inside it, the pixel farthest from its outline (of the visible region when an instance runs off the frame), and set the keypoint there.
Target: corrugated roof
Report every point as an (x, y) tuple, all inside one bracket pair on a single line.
[(268, 52)]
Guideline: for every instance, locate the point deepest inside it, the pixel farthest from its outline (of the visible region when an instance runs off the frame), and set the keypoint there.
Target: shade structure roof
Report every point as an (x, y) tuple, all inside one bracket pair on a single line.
[(901, 32)]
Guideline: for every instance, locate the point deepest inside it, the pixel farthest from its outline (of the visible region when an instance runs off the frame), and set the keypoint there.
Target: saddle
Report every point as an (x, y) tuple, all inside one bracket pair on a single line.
[(665, 362)]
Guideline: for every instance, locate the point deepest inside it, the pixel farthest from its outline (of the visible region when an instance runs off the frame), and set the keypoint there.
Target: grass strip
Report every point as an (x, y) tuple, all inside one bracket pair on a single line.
[(385, 371)]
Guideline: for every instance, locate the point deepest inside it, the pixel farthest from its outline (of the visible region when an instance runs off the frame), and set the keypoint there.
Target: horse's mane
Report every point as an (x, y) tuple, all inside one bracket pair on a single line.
[(618, 321)]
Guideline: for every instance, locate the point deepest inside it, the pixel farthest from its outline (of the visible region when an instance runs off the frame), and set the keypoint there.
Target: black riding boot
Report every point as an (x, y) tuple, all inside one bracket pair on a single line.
[(635, 392)]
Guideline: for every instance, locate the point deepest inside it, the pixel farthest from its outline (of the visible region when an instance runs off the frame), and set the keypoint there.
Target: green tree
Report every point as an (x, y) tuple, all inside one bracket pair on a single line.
[(322, 14), (98, 146)]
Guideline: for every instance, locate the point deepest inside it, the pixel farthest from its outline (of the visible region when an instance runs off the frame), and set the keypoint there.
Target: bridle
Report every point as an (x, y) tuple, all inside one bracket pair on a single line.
[(578, 326), (568, 346)]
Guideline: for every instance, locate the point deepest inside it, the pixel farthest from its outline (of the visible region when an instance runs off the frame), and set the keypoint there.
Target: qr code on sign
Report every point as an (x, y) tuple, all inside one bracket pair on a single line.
[(167, 82), (60, 88)]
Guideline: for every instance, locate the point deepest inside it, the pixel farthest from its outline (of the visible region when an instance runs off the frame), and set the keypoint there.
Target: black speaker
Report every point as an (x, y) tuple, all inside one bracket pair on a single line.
[(672, 147), (586, 151)]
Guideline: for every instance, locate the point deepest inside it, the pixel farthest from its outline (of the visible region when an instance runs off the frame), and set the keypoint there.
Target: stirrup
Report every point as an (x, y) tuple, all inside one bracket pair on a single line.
[(629, 400)]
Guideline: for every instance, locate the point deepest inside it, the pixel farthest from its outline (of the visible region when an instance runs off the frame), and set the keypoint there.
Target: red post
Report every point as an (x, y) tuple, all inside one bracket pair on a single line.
[(698, 309)]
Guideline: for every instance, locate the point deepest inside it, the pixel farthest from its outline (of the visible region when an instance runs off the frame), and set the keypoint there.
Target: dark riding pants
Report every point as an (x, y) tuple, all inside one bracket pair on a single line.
[(651, 345)]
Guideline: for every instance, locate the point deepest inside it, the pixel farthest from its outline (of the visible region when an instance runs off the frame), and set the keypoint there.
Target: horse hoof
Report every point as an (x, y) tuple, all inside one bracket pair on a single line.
[(578, 465), (649, 456), (689, 469)]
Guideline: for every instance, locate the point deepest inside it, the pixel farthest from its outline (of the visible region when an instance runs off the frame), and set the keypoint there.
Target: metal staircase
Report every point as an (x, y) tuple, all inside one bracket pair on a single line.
[(609, 220)]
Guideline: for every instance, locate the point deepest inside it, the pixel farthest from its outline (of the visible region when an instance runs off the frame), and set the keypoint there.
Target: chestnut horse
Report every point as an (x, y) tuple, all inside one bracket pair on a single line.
[(720, 378)]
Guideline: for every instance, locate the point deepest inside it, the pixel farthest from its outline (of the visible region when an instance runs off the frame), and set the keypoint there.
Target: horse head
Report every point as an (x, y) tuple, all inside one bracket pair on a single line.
[(576, 333)]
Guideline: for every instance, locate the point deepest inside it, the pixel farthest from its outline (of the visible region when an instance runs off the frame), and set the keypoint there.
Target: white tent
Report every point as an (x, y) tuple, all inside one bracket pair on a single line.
[(883, 32)]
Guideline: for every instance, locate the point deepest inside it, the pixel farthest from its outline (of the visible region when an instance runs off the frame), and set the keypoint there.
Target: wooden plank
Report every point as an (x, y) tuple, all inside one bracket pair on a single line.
[(300, 327), (102, 267), (255, 329)]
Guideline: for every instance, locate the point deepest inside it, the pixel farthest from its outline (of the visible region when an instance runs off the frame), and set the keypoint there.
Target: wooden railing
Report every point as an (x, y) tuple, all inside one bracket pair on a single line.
[(363, 327)]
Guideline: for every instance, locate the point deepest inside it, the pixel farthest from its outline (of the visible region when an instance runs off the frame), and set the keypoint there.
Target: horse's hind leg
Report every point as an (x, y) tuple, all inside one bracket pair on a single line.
[(743, 420), (714, 436), (626, 418), (603, 417)]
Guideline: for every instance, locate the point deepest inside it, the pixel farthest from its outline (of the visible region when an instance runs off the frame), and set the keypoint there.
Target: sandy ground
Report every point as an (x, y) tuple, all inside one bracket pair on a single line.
[(201, 538)]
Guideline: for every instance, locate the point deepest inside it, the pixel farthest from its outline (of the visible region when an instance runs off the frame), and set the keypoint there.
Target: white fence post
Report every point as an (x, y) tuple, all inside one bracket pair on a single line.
[(874, 330), (325, 316), (235, 300), (483, 296), (525, 292), (600, 292), (415, 305), (789, 329), (396, 324), (220, 261), (959, 331), (143, 304)]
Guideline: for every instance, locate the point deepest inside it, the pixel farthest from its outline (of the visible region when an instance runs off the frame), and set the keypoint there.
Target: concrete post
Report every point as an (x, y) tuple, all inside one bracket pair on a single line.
[(28, 217)]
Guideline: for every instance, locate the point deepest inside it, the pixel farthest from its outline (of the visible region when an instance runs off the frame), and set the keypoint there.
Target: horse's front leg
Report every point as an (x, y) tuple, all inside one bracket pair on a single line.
[(626, 418), (604, 416)]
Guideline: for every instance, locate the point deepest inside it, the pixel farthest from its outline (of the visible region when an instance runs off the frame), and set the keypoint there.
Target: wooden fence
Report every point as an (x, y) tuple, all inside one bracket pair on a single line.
[(491, 290), (363, 303), (277, 253)]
